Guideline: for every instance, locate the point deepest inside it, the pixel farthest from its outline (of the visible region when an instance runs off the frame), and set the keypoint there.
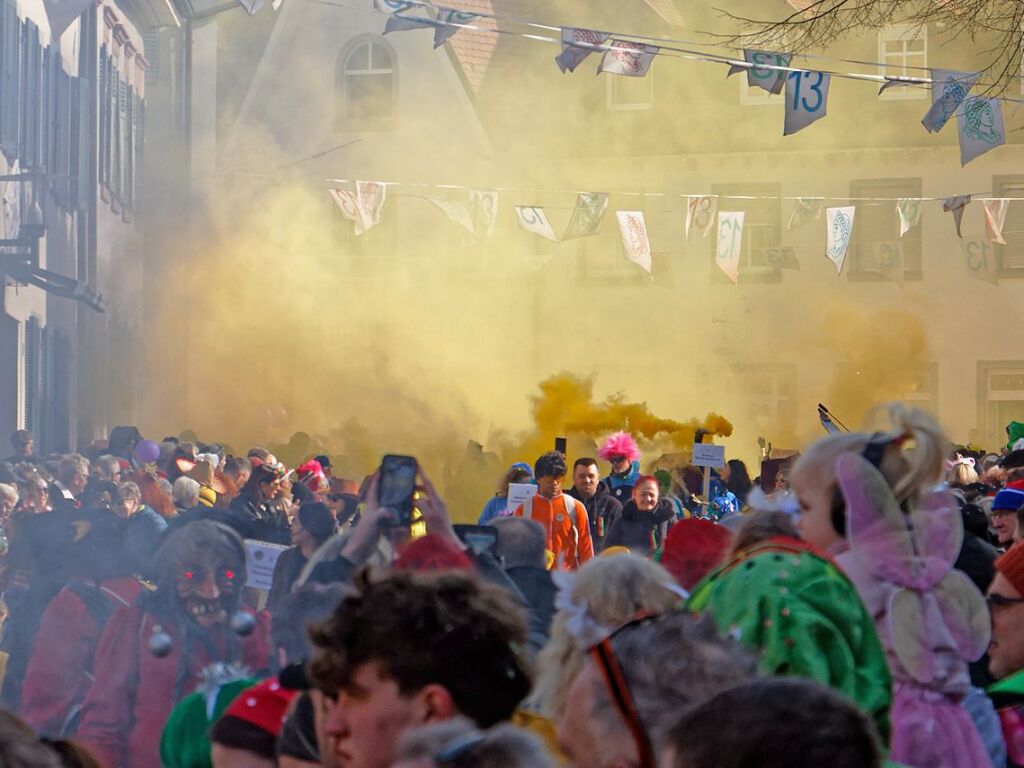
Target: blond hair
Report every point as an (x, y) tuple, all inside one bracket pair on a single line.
[(614, 590), (911, 463)]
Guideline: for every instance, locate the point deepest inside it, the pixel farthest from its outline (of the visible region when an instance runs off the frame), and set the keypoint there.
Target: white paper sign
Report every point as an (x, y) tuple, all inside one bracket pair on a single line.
[(995, 218), (518, 493), (260, 561), (730, 243), (980, 126), (577, 44), (708, 455), (980, 257), (888, 259), (909, 211), (949, 89), (806, 99), (625, 57), (840, 228), (533, 219), (956, 205), (805, 210), (457, 212), (762, 73), (700, 215), (483, 206), (634, 238)]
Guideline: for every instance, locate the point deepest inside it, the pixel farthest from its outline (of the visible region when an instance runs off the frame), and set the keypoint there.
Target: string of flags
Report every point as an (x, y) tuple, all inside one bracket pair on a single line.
[(477, 214), (980, 123)]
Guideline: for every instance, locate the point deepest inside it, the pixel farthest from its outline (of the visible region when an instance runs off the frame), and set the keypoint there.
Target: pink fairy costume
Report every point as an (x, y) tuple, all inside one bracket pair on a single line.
[(930, 618)]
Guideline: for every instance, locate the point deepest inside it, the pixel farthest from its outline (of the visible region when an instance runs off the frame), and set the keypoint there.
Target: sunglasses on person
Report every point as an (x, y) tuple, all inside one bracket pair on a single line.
[(1002, 601)]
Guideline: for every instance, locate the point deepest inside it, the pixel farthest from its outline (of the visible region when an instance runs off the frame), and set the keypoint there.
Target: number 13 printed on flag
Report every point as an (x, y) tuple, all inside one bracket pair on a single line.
[(806, 99)]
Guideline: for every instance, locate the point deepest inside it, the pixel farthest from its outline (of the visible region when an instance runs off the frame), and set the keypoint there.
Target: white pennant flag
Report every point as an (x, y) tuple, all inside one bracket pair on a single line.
[(956, 205), (533, 219), (362, 206), (634, 238), (909, 210), (60, 14), (840, 227), (587, 216), (399, 23), (762, 72), (806, 99), (457, 212), (577, 44), (730, 243), (624, 57), (483, 206), (392, 6), (805, 210), (980, 126), (995, 218), (949, 89), (700, 215)]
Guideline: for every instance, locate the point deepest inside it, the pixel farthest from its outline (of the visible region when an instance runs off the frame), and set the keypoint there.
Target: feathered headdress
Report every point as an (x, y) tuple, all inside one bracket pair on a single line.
[(620, 444)]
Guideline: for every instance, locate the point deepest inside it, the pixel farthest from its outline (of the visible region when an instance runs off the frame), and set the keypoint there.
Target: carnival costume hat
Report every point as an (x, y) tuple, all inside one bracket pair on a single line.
[(185, 742), (620, 444), (803, 615)]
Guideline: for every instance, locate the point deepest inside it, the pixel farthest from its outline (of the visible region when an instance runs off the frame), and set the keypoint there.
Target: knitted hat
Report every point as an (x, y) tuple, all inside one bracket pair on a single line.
[(185, 741), (692, 549), (1011, 565), (1009, 498), (264, 705)]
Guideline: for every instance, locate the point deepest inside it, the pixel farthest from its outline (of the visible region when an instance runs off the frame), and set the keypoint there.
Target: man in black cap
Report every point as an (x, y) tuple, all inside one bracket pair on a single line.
[(24, 448)]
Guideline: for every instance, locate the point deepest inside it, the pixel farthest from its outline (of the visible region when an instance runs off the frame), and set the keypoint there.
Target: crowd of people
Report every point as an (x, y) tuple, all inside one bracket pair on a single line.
[(859, 604)]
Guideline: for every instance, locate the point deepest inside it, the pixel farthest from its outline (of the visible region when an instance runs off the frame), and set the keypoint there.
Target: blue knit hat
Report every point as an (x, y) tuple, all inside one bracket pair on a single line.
[(1009, 498)]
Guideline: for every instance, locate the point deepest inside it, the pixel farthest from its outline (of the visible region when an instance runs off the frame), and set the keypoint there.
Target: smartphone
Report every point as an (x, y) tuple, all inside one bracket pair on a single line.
[(480, 538), (398, 486), (560, 445)]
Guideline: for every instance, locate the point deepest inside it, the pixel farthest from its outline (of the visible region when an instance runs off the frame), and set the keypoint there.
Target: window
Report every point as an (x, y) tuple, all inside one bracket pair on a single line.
[(876, 229), (366, 83), (762, 229), (631, 92), (903, 52), (1000, 398), (925, 391), (1011, 255)]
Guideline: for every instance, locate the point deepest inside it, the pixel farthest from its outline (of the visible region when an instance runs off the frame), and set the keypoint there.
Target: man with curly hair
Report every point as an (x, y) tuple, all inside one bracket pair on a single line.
[(408, 650), (563, 518)]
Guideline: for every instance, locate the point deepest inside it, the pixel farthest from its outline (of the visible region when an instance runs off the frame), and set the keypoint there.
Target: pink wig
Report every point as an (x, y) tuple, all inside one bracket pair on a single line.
[(620, 444)]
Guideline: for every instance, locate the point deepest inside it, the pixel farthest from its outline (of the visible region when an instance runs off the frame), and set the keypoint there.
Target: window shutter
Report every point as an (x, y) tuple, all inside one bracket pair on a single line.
[(104, 98), (10, 43), (30, 102)]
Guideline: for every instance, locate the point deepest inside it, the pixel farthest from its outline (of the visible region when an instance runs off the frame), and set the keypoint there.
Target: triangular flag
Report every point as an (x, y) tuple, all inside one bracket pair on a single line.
[(577, 44), (634, 238), (392, 6), (362, 206), (730, 243), (276, 4), (251, 6), (995, 218), (892, 82), (449, 22), (587, 216), (888, 259), (956, 205), (980, 126), (805, 210), (483, 207), (457, 212), (949, 89), (625, 57), (840, 227), (399, 23), (806, 99), (533, 219), (60, 14), (700, 215), (909, 210), (980, 257), (762, 72)]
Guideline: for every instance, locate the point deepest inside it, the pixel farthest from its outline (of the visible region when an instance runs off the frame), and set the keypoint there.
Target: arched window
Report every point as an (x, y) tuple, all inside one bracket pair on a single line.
[(366, 81)]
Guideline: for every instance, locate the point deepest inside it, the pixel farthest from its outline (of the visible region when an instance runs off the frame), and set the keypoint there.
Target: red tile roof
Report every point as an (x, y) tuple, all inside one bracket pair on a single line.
[(473, 49)]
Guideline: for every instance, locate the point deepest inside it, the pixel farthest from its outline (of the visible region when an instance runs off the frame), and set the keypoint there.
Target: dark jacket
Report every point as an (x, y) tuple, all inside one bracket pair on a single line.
[(602, 511), (255, 521), (641, 532), (539, 590), (289, 566)]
